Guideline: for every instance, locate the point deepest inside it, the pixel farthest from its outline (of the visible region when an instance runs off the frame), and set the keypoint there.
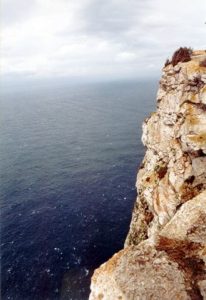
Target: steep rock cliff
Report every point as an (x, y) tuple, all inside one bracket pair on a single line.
[(165, 250)]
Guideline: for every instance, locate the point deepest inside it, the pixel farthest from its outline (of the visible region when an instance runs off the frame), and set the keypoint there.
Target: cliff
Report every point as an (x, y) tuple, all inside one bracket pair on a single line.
[(165, 250)]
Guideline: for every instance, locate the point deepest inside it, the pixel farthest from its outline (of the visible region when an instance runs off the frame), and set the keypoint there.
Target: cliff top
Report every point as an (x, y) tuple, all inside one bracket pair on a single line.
[(194, 61)]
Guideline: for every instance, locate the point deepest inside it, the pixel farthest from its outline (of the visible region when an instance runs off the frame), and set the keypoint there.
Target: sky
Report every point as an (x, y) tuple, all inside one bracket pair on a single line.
[(96, 38)]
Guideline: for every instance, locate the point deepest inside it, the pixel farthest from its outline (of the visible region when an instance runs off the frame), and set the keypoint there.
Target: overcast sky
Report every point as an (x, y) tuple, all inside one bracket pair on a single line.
[(97, 38)]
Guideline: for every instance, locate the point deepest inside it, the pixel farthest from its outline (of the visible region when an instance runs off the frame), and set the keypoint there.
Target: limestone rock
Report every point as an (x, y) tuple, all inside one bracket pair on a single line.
[(165, 249), (139, 272), (189, 222)]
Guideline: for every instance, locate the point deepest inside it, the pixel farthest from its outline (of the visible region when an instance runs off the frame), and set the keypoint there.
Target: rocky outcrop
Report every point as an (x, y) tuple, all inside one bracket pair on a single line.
[(165, 250)]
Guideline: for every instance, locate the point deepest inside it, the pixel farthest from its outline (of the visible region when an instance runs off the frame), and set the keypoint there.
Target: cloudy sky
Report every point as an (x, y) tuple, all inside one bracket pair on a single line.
[(96, 38)]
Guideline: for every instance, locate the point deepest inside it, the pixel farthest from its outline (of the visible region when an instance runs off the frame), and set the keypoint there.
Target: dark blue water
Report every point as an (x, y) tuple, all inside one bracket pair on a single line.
[(69, 157)]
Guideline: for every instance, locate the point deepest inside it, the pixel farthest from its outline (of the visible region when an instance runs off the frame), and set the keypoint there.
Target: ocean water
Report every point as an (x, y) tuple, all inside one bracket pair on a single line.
[(68, 161)]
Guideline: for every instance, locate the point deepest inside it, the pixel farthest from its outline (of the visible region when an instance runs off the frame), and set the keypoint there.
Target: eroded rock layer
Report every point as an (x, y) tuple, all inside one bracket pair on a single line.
[(165, 250)]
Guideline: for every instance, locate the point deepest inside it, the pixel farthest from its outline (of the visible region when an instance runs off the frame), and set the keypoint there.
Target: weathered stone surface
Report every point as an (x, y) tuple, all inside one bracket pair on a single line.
[(189, 222), (139, 272), (202, 286), (174, 167), (165, 250)]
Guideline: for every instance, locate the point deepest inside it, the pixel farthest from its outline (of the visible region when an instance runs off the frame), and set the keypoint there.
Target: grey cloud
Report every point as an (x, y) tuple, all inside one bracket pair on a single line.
[(109, 16), (144, 31), (13, 11)]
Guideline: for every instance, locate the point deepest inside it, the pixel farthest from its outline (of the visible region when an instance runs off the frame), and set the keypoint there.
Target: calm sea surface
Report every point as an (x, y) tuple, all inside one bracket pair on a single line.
[(68, 163)]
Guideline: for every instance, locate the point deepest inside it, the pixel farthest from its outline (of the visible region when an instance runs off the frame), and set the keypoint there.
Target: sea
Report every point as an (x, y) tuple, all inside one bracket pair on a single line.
[(69, 156)]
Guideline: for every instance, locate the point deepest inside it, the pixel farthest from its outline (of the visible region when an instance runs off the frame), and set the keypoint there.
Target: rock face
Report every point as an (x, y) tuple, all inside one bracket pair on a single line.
[(165, 250)]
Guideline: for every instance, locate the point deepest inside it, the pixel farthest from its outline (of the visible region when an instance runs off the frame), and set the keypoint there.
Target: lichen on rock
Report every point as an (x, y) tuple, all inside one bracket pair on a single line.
[(165, 250)]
